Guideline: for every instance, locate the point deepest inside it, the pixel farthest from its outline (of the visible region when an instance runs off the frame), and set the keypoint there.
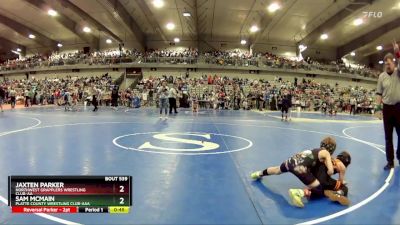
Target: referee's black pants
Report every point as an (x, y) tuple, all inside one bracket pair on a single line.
[(391, 119)]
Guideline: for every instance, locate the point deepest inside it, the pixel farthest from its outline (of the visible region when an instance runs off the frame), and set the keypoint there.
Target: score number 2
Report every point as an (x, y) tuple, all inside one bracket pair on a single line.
[(121, 199)]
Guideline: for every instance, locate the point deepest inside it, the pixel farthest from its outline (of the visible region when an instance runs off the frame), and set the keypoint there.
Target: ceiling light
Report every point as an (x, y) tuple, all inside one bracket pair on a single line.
[(87, 29), (324, 36), (273, 7), (52, 12), (18, 50), (243, 42), (187, 14), (380, 62), (170, 26), (31, 36), (108, 41), (177, 40), (352, 53), (358, 22), (253, 28), (59, 45), (158, 3), (379, 48)]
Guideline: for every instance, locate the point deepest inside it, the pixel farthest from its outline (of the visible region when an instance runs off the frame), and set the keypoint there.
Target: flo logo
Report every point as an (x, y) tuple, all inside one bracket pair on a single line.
[(373, 14), (184, 143)]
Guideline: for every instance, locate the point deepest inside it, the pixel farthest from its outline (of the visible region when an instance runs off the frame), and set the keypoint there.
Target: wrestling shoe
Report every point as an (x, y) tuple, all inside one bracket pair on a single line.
[(255, 175), (296, 196), (336, 197)]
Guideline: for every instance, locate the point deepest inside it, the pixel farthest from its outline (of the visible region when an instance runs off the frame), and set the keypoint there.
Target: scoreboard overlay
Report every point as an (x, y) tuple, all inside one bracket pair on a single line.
[(70, 194)]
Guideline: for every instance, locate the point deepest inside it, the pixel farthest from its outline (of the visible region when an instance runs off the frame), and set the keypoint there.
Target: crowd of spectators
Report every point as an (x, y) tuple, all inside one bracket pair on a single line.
[(309, 64), (183, 56), (186, 56), (215, 92), (51, 91), (210, 91), (231, 58)]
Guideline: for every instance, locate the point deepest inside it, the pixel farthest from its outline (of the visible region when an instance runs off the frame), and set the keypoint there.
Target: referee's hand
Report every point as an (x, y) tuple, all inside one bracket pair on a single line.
[(378, 108), (378, 112)]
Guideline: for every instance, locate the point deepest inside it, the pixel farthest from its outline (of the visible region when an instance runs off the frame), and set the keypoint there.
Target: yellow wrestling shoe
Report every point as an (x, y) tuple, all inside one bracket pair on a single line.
[(255, 175), (296, 196)]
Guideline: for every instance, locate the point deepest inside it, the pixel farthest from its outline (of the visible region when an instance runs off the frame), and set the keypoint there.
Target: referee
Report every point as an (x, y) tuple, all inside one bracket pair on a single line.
[(388, 93)]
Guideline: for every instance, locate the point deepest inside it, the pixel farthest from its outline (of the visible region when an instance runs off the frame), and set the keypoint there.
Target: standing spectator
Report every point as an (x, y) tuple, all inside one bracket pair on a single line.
[(67, 100), (172, 99), (388, 93), (353, 103), (114, 97), (273, 103), (80, 94), (163, 95), (303, 104), (95, 101), (285, 107), (262, 99), (324, 107), (151, 97), (259, 100), (2, 97), (30, 93), (144, 97), (290, 103), (34, 98), (135, 101), (266, 99), (13, 94), (27, 99)]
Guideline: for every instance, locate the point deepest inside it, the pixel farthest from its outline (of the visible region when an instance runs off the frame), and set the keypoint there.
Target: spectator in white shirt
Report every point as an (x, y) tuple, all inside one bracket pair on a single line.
[(163, 95)]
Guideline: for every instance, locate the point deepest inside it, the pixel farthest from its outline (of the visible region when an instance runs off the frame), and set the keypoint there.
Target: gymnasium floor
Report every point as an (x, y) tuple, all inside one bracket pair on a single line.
[(204, 178)]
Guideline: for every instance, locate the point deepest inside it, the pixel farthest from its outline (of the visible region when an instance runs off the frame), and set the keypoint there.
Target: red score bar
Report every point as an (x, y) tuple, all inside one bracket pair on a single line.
[(39, 209)]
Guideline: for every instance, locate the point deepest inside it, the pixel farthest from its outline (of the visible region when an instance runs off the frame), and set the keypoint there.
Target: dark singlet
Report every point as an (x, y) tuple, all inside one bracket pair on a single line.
[(301, 164), (306, 158)]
